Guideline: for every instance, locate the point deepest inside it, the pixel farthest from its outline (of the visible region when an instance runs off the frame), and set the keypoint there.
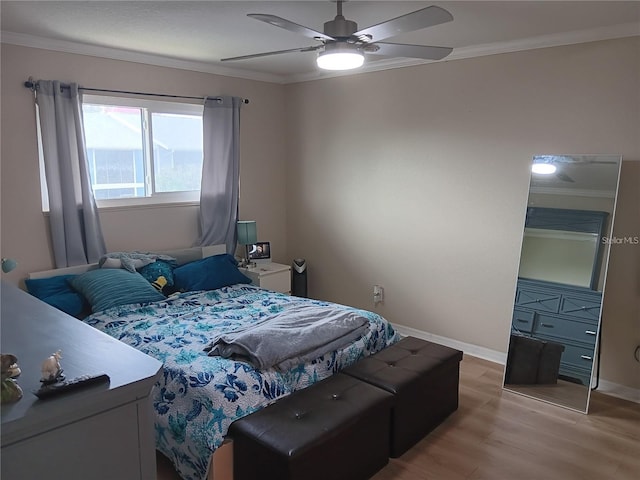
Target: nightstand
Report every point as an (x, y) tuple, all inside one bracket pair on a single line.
[(270, 276)]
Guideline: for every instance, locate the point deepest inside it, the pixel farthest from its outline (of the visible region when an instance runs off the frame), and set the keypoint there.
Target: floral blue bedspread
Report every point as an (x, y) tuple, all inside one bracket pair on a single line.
[(199, 396)]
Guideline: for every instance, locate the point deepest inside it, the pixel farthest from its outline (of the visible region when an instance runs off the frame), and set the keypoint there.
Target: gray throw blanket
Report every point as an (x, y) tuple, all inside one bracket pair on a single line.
[(298, 334)]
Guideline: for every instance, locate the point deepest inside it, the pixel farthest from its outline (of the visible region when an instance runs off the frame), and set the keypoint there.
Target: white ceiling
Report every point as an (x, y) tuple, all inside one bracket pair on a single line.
[(196, 35), (581, 175)]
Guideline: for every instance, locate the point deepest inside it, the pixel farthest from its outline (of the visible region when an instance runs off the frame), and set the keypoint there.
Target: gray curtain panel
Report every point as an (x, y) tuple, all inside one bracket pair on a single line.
[(220, 172), (76, 233)]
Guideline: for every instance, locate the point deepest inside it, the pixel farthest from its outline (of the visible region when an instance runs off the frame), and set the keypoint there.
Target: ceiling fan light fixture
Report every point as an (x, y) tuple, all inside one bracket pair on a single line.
[(340, 56), (543, 168)]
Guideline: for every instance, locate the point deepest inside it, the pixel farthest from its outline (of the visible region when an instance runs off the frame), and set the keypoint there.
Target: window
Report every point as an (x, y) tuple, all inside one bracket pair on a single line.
[(142, 151)]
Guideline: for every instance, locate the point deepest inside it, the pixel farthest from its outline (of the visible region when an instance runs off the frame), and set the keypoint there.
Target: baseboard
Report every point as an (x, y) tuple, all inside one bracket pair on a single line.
[(619, 391), (605, 387), (473, 350)]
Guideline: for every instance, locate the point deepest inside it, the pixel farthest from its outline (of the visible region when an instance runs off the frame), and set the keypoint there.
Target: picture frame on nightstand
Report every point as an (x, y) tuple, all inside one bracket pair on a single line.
[(260, 252)]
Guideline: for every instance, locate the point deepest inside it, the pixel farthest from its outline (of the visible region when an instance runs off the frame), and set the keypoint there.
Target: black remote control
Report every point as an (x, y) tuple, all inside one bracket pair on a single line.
[(52, 389)]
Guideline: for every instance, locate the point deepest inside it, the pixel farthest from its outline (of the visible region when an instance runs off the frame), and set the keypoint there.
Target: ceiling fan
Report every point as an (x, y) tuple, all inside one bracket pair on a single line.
[(342, 46), (555, 164)]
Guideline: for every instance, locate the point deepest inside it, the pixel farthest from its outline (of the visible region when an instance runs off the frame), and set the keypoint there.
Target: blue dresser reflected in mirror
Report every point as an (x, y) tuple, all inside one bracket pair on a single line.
[(557, 298), (562, 315)]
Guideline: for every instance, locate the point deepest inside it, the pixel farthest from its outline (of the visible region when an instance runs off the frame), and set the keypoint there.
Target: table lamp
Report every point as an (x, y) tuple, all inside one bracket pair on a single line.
[(247, 235)]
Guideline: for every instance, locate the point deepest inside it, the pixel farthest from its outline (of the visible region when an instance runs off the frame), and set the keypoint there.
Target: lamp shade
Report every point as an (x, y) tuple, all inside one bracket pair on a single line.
[(8, 264), (247, 232)]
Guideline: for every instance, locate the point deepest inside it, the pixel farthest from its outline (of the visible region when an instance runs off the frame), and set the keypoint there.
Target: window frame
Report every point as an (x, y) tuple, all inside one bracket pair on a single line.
[(149, 107)]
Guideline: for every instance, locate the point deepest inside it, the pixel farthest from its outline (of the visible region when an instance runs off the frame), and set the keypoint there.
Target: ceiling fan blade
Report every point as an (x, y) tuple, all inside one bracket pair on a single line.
[(278, 52), (288, 25), (564, 177), (427, 17), (410, 51)]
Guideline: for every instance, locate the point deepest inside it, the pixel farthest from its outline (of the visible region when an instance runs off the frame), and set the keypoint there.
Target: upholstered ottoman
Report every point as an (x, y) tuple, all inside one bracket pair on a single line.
[(335, 429), (423, 377)]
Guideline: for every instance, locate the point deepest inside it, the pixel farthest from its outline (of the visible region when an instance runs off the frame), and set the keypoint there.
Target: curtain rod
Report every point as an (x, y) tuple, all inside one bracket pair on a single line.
[(32, 85)]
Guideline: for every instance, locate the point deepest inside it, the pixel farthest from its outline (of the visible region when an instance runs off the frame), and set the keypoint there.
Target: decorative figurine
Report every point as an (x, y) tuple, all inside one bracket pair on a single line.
[(11, 391), (51, 371)]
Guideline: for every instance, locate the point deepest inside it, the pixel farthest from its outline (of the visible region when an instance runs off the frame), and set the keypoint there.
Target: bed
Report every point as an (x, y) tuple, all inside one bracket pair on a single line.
[(199, 395)]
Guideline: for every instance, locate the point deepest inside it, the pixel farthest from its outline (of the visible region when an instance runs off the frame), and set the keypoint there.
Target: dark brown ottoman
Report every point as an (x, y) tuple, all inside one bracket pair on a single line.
[(335, 429), (423, 376), (532, 361)]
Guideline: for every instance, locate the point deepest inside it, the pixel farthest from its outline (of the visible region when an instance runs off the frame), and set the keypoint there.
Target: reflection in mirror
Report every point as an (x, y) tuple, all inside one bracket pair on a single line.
[(558, 256), (556, 316)]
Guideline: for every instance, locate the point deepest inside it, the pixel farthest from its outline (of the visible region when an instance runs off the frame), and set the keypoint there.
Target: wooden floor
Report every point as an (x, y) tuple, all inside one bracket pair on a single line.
[(500, 435)]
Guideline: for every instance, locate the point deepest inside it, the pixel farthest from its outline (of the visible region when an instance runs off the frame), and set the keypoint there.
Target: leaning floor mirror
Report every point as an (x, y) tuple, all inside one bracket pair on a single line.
[(555, 327)]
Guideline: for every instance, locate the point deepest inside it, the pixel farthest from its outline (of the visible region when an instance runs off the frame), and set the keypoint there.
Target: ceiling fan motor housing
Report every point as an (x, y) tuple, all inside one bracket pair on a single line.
[(340, 27)]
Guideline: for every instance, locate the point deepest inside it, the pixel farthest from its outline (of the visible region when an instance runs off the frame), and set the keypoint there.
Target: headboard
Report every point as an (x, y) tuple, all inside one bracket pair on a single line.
[(183, 255)]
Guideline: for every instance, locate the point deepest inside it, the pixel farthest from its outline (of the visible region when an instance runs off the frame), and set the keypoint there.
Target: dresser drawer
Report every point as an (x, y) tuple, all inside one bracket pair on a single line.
[(576, 362), (581, 357), (538, 300), (270, 276), (278, 282), (579, 307), (565, 328), (575, 374), (522, 320)]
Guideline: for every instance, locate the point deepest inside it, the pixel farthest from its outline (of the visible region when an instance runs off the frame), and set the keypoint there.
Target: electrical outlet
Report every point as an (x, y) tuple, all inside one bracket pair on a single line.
[(378, 294)]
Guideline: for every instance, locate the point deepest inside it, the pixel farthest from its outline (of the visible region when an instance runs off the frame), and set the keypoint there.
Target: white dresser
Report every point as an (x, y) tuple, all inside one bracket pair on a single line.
[(101, 431)]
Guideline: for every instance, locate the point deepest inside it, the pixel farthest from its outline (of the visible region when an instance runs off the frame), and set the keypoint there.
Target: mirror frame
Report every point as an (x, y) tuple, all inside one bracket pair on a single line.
[(551, 307)]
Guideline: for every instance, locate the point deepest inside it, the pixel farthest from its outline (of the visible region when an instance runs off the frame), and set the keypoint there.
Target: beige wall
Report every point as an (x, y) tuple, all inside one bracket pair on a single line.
[(621, 313), (417, 178), (24, 227)]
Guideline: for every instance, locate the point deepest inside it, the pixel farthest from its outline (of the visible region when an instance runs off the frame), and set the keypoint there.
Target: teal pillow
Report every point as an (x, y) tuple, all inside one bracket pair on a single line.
[(57, 292), (157, 269), (109, 287), (208, 274)]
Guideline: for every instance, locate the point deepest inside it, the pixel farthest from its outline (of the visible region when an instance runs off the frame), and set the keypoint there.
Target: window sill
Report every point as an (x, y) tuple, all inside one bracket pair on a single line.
[(113, 207), (139, 206)]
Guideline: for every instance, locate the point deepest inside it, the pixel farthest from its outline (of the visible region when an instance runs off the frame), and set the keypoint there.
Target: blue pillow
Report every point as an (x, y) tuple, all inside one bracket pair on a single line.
[(57, 292), (109, 287), (209, 273)]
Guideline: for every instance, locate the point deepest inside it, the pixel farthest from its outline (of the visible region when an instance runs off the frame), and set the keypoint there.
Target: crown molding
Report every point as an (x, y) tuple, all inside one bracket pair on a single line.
[(545, 41), (131, 56), (574, 192), (532, 43)]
